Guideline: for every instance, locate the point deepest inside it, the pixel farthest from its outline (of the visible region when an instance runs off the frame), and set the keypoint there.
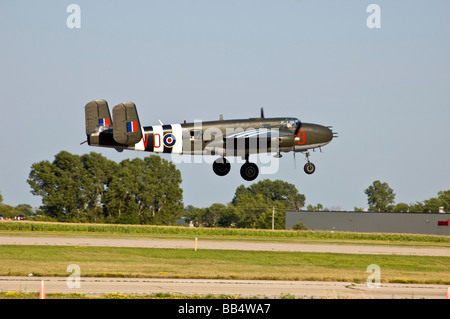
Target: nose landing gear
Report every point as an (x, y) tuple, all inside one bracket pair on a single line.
[(309, 167)]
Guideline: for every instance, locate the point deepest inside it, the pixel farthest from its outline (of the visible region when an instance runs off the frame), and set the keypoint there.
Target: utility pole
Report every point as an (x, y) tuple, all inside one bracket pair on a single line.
[(273, 217)]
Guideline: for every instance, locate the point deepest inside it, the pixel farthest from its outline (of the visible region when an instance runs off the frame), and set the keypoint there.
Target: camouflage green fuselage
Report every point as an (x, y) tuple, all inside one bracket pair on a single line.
[(224, 137)]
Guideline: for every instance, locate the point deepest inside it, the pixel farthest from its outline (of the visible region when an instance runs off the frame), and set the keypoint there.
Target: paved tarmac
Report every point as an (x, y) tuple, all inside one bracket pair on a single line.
[(230, 245), (243, 288)]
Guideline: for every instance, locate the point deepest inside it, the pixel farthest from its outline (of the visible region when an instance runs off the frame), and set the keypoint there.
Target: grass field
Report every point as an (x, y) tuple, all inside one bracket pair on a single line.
[(219, 264), (17, 260)]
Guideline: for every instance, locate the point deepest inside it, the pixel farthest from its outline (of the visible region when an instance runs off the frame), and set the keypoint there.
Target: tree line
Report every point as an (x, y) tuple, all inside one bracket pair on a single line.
[(260, 205), (91, 188), (381, 198), (255, 205)]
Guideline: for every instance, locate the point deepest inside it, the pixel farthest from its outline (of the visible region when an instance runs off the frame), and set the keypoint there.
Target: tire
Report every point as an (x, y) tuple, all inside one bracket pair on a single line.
[(249, 171), (221, 167), (309, 168)]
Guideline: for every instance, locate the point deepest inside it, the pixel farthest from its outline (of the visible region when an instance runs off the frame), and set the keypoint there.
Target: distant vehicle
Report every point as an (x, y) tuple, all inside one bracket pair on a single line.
[(2, 217), (19, 217)]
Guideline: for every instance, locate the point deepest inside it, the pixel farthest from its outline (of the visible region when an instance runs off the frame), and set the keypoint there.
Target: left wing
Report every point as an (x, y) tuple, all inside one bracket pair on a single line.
[(253, 141)]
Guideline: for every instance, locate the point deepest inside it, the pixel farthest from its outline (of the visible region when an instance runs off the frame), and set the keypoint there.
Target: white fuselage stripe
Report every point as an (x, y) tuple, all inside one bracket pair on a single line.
[(158, 145), (178, 133)]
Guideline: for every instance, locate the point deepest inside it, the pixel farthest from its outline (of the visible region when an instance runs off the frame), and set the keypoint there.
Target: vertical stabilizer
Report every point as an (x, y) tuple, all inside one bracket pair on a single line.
[(127, 128), (97, 114)]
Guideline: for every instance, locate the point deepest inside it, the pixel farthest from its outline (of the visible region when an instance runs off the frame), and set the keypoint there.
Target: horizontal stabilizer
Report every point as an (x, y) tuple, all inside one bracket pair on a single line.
[(127, 128), (97, 114)]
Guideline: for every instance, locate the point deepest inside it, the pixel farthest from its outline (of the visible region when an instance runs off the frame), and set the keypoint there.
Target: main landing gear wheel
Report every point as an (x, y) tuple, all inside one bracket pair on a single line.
[(249, 171), (221, 166), (309, 168)]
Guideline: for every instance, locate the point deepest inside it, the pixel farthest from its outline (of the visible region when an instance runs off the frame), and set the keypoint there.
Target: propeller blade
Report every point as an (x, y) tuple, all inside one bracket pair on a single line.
[(299, 124), (262, 112), (295, 163)]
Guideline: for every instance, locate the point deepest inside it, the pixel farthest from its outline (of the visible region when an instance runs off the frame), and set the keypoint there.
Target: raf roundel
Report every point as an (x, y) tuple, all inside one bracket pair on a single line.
[(169, 140)]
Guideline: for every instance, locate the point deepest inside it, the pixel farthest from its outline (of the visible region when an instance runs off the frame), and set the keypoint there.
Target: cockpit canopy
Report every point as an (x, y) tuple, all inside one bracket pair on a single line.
[(289, 122)]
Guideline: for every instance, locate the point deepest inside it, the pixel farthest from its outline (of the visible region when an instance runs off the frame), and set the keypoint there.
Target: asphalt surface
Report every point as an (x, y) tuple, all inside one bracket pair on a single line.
[(243, 288), (229, 245)]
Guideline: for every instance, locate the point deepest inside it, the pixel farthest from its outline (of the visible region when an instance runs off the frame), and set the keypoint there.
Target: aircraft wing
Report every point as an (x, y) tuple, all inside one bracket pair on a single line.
[(251, 141)]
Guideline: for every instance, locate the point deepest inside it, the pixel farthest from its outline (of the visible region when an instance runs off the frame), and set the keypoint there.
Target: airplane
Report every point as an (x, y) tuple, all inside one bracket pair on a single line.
[(239, 137)]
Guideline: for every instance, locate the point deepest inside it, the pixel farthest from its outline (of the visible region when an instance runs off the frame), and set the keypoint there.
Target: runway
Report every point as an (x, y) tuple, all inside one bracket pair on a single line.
[(229, 245), (240, 288)]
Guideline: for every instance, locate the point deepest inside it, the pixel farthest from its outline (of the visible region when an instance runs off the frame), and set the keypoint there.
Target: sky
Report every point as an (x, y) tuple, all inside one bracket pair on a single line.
[(385, 90)]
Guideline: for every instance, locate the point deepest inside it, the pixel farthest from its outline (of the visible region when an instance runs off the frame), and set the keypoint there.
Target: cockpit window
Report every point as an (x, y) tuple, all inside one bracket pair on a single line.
[(289, 123)]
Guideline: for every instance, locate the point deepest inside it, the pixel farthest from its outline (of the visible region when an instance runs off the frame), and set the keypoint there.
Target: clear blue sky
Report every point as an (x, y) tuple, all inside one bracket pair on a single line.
[(386, 91)]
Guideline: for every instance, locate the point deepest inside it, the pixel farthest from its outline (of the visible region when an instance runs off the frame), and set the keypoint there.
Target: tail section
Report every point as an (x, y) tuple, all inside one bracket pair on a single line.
[(127, 128), (97, 114), (122, 133)]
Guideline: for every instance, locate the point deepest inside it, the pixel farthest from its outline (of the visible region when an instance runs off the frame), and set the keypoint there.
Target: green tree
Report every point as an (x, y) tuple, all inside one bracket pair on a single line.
[(380, 197), (91, 187), (255, 211), (217, 215), (316, 208), (226, 215), (58, 183), (401, 208), (98, 172), (255, 204), (25, 209), (274, 191), (444, 197), (417, 207), (72, 187), (432, 205), (148, 189)]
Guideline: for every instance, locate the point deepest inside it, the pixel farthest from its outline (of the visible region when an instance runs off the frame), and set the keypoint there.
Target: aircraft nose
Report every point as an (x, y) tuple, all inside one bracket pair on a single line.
[(313, 136), (324, 134), (328, 133)]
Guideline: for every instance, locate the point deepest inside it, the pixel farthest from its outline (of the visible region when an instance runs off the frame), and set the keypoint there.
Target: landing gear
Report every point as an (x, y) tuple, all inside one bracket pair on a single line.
[(309, 167), (221, 166), (249, 171)]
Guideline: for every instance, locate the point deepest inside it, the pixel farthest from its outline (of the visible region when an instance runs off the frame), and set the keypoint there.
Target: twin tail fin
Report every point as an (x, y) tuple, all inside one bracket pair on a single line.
[(126, 127)]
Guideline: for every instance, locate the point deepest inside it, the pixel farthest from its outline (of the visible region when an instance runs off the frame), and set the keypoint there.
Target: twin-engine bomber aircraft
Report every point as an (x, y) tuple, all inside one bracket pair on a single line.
[(223, 137)]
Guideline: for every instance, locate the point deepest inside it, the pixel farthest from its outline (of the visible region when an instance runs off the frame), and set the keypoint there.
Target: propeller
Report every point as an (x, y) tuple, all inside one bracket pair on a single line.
[(262, 113), (295, 162), (299, 124)]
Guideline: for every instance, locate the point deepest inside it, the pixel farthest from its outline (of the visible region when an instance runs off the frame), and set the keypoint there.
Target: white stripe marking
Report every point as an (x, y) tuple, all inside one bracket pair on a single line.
[(158, 146)]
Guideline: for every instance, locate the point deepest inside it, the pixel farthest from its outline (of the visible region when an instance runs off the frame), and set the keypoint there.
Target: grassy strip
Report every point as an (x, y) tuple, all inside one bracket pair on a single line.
[(160, 295), (219, 264), (178, 231)]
